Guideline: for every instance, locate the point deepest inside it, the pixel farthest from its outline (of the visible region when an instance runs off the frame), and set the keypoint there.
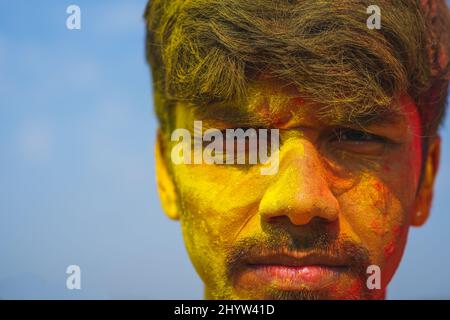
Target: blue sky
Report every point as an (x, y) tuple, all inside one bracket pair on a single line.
[(76, 166)]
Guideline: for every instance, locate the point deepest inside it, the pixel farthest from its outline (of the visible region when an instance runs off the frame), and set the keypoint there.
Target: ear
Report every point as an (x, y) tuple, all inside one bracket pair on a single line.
[(166, 187), (425, 193)]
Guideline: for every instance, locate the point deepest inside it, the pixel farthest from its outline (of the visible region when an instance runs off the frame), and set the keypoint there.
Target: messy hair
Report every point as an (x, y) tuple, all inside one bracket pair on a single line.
[(204, 51)]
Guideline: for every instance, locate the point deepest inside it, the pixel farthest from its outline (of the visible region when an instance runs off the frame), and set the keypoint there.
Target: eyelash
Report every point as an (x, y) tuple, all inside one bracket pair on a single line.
[(362, 136), (338, 133)]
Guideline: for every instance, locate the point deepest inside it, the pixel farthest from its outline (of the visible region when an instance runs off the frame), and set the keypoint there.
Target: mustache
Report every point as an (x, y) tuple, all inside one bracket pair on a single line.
[(356, 256)]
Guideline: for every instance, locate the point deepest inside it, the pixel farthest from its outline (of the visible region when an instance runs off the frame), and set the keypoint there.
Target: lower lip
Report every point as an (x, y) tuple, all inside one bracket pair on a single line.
[(292, 277)]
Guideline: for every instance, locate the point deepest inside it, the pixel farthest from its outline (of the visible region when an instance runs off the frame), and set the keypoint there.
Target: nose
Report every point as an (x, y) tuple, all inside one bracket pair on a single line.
[(300, 190)]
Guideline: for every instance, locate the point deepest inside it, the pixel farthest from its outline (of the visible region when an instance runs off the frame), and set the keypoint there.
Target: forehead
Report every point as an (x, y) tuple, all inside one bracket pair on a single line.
[(274, 104)]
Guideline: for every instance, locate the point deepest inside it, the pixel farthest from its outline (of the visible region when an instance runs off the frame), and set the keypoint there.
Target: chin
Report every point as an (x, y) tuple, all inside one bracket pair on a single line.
[(335, 293)]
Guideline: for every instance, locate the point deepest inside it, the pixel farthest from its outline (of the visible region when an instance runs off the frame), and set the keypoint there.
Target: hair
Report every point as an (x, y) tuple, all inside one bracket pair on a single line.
[(204, 51)]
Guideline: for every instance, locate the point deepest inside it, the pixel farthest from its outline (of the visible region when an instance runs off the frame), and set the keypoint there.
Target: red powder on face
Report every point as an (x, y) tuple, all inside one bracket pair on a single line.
[(410, 109), (377, 227), (389, 250), (396, 234), (378, 186), (297, 101), (352, 292), (277, 121)]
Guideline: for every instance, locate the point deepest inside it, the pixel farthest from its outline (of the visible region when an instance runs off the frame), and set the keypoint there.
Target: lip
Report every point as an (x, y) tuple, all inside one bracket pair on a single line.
[(294, 271)]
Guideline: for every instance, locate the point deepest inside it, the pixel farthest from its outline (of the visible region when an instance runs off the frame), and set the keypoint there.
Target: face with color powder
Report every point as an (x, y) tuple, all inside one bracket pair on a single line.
[(343, 199)]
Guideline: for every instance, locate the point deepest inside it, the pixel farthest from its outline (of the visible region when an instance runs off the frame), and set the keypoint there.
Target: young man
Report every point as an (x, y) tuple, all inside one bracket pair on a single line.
[(356, 110)]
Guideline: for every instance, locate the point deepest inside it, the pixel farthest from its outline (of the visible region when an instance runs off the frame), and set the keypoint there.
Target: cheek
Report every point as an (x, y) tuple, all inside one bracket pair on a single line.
[(217, 202), (219, 196), (369, 210), (402, 171), (375, 214)]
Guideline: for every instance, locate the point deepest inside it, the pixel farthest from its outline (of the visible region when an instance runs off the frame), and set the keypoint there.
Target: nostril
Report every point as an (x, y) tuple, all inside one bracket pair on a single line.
[(289, 219), (276, 219)]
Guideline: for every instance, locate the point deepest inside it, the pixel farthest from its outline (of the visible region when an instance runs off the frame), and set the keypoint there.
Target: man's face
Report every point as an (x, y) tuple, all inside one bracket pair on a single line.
[(342, 200)]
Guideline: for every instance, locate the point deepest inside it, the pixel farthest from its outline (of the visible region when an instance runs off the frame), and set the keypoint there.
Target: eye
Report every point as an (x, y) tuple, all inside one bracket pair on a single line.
[(242, 142), (356, 136), (358, 141)]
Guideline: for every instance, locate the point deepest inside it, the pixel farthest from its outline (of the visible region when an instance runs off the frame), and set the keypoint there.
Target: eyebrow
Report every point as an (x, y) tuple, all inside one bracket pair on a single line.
[(385, 116), (343, 116), (228, 113)]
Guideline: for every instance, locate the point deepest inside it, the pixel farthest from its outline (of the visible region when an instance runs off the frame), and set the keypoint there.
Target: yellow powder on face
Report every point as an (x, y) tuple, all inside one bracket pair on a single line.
[(221, 203)]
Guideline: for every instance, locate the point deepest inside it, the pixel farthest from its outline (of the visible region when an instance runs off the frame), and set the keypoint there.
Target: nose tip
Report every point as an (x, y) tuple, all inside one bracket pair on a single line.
[(301, 193), (299, 220), (304, 216), (301, 209)]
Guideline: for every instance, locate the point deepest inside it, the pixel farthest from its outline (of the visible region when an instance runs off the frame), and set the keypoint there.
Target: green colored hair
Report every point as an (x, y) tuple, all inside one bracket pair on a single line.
[(204, 51)]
